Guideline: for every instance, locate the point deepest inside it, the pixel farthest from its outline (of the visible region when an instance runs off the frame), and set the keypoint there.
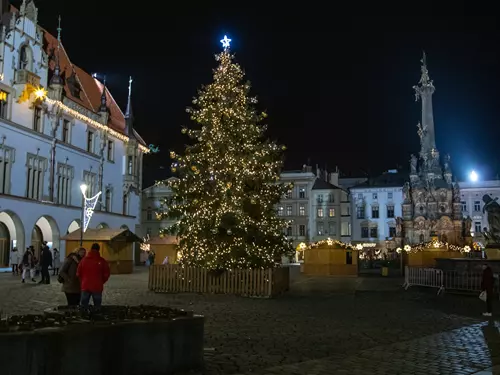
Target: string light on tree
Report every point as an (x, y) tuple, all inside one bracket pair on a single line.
[(228, 186)]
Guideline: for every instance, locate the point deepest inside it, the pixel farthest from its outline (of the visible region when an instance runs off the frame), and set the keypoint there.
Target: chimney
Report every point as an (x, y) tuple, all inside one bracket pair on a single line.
[(318, 171), (334, 178)]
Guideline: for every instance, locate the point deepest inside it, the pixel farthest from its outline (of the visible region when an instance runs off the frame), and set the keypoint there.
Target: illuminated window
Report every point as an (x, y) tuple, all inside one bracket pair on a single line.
[(302, 192), (288, 210), (280, 211), (320, 212), (4, 104), (302, 210)]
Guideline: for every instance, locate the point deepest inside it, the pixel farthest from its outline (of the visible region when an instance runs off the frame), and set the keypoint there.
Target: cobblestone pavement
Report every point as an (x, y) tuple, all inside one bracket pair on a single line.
[(323, 326)]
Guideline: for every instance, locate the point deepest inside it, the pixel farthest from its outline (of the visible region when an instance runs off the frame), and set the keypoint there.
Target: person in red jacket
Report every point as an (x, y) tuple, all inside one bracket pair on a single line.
[(93, 272), (487, 284)]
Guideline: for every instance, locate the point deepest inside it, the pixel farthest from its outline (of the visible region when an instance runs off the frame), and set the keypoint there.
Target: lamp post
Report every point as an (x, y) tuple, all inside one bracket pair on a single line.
[(83, 189)]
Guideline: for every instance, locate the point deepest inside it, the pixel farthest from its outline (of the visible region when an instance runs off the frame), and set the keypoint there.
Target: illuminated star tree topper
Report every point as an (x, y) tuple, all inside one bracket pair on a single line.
[(225, 42)]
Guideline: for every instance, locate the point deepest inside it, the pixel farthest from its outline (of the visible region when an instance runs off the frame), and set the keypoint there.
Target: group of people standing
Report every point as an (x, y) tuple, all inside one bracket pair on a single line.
[(27, 264), (82, 274)]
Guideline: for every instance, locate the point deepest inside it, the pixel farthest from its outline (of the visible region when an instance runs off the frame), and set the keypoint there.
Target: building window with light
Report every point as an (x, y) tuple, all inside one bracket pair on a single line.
[(37, 119), (280, 211), (364, 232), (375, 212), (477, 206), (390, 212), (302, 192), (4, 104), (288, 210), (464, 206), (477, 227), (289, 194), (90, 141), (302, 210), (302, 230), (331, 212), (320, 212), (373, 232), (360, 212)]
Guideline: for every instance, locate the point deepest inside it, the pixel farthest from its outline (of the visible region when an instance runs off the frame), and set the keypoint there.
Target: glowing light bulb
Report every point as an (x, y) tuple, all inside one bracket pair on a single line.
[(473, 176)]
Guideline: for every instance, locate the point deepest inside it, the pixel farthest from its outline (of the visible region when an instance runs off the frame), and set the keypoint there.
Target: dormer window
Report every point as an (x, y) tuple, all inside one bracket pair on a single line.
[(25, 58)]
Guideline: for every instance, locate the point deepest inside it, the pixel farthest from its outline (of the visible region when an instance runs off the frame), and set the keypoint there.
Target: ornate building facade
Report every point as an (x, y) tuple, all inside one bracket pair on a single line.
[(431, 199), (59, 128)]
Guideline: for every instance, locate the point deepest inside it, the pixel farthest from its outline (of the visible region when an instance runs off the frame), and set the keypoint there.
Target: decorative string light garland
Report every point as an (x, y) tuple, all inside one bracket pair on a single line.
[(94, 123)]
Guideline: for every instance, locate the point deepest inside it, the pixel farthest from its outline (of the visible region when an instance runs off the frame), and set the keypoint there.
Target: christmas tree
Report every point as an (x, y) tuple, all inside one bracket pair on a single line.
[(224, 200)]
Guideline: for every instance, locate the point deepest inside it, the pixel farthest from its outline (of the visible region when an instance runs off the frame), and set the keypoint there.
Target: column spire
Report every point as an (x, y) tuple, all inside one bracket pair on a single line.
[(424, 91)]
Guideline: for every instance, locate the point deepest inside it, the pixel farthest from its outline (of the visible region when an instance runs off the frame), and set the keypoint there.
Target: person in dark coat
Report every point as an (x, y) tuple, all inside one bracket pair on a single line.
[(45, 263), (487, 283), (70, 282)]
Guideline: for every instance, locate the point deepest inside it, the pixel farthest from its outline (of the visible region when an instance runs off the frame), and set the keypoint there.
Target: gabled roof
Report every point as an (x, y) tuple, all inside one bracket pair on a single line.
[(320, 184), (104, 234), (91, 88)]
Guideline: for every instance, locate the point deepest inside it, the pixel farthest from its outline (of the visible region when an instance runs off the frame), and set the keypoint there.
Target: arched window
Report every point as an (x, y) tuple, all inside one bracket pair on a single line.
[(25, 58)]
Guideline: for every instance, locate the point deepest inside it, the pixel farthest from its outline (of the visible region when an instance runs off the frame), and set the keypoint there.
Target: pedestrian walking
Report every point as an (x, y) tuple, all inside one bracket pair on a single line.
[(487, 283), (28, 265), (93, 272), (15, 258), (45, 263), (67, 277), (56, 264)]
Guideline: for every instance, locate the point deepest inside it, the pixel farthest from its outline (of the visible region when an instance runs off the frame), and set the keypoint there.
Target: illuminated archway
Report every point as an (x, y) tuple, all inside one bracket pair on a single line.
[(48, 231), (74, 225), (13, 226)]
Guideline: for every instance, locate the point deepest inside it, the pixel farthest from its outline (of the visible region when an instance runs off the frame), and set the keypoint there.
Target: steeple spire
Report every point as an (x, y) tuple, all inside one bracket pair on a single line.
[(129, 117), (56, 77), (424, 91), (104, 100)]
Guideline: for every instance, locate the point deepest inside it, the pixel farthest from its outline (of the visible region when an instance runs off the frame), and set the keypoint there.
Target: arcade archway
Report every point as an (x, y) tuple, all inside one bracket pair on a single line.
[(11, 235), (74, 225), (45, 229)]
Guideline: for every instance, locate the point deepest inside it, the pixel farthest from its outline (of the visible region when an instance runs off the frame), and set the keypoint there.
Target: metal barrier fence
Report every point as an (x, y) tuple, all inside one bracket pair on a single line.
[(451, 280), (429, 277)]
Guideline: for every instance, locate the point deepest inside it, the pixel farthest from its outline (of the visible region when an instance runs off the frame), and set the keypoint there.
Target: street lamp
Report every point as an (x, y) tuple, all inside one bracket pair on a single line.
[(473, 176), (83, 189)]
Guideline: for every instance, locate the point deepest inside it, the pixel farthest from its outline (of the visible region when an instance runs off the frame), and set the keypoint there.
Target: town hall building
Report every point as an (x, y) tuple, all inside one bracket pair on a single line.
[(60, 128)]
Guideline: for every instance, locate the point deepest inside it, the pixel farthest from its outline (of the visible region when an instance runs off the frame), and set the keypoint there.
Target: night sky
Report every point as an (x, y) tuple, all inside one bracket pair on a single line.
[(337, 88)]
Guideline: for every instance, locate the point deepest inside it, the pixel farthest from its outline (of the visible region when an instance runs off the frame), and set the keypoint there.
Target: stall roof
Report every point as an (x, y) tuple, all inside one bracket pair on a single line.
[(165, 240), (104, 234)]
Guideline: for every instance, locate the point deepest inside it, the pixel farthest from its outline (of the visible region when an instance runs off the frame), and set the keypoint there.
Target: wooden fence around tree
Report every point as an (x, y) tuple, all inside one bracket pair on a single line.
[(173, 278)]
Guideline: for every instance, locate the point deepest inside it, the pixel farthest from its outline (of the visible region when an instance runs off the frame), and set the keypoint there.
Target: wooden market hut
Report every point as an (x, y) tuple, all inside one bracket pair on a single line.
[(164, 246), (117, 246), (331, 258)]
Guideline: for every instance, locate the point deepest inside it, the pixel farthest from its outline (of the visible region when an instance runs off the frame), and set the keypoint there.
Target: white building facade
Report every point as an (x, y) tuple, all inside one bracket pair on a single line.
[(152, 201), (472, 203), (375, 205), (59, 128), (317, 208)]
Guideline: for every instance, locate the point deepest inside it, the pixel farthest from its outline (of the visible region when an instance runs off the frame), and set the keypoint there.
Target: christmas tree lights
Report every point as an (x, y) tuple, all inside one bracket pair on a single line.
[(224, 200)]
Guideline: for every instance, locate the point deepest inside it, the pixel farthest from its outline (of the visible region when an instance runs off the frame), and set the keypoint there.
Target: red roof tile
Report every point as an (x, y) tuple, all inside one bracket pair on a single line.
[(91, 88)]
